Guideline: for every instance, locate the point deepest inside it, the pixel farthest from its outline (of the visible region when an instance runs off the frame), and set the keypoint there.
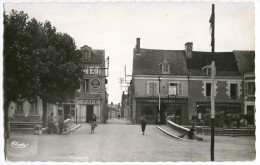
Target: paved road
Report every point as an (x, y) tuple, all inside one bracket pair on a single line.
[(120, 141)]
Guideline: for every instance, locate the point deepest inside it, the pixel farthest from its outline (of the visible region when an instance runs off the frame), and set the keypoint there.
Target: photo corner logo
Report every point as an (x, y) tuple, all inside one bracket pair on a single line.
[(17, 144)]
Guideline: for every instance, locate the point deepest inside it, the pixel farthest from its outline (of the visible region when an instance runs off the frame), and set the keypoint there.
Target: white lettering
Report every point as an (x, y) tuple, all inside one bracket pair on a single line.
[(16, 144)]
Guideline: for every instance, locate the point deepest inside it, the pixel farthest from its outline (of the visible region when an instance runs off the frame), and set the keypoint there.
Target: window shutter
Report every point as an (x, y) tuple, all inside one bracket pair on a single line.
[(246, 84), (155, 89), (150, 88), (180, 89)]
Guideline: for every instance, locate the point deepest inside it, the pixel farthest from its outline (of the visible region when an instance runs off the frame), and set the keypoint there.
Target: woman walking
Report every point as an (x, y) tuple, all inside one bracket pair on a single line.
[(143, 124), (93, 123)]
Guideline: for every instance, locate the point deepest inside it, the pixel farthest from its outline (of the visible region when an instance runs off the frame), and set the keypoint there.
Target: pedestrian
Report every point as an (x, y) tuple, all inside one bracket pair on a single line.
[(51, 125), (191, 131), (93, 123), (143, 124), (61, 121)]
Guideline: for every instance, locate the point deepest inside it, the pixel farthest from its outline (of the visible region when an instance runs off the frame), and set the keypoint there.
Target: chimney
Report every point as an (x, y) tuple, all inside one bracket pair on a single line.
[(188, 49), (137, 47)]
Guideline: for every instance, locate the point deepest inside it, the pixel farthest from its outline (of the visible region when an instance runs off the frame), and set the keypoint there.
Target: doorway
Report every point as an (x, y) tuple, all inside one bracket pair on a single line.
[(89, 113), (250, 113)]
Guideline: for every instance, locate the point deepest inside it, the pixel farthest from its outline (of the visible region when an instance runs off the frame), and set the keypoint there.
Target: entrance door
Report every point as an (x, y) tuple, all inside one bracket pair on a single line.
[(250, 113), (89, 113)]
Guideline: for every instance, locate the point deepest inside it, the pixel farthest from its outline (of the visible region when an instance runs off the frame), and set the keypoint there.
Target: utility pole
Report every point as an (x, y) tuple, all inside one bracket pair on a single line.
[(213, 72), (159, 115)]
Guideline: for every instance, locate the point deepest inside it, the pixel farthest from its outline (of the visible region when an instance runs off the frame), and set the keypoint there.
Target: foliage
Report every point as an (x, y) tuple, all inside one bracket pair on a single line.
[(38, 61)]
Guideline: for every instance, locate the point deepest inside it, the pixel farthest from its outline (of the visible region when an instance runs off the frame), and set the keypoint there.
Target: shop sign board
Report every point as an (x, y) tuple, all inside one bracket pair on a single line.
[(88, 102)]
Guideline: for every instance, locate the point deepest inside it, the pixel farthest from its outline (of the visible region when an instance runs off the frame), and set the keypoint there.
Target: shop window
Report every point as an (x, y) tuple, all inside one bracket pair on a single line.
[(148, 112), (208, 89), (233, 91)]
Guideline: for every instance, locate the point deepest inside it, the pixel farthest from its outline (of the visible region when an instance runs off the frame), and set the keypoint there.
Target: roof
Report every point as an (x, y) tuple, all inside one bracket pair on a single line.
[(98, 55), (148, 62), (225, 63), (245, 60)]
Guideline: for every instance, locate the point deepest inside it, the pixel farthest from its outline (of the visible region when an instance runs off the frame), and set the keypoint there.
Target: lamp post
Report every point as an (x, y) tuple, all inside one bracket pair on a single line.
[(159, 80)]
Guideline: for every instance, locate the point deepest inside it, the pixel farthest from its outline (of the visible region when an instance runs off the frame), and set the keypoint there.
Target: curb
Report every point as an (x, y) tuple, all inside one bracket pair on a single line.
[(170, 134), (76, 127)]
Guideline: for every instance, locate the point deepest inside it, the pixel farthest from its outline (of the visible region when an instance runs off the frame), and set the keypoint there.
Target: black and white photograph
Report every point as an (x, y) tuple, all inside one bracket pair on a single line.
[(128, 81)]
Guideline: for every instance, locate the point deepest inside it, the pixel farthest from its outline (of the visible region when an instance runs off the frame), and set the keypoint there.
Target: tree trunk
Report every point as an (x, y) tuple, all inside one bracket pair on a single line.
[(6, 120), (44, 114)]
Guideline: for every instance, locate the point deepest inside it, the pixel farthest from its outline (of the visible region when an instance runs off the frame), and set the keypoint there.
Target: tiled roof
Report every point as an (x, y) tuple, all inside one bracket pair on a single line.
[(148, 62), (98, 55), (225, 63), (245, 60)]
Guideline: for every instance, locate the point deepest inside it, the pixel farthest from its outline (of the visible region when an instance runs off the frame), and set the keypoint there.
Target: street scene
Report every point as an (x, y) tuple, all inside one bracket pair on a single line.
[(119, 82), (120, 141)]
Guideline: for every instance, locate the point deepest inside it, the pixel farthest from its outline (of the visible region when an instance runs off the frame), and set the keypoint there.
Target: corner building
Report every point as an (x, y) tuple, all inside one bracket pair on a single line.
[(92, 93)]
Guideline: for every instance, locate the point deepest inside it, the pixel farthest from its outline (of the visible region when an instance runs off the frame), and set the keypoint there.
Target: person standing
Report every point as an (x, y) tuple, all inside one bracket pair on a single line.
[(191, 132), (93, 123), (61, 121), (51, 125), (143, 124)]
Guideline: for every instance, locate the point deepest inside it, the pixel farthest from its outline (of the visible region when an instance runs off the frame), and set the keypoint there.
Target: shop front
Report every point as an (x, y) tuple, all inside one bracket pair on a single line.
[(85, 110), (176, 108)]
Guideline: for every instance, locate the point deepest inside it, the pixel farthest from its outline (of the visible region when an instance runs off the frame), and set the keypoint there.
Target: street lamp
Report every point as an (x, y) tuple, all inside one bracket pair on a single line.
[(159, 80)]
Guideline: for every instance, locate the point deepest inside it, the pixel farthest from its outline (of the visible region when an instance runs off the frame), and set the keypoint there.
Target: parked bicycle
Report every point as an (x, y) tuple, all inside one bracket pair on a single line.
[(66, 126)]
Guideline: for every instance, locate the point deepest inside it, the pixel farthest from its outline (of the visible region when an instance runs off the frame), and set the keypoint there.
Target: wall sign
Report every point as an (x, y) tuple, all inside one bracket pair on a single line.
[(95, 83), (89, 102)]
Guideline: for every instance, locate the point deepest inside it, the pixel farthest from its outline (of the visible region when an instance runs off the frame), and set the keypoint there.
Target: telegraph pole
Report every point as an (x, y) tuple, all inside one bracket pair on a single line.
[(213, 72)]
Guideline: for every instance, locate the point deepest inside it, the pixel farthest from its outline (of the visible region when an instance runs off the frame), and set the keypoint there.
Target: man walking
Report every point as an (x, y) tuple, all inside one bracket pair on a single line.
[(143, 124)]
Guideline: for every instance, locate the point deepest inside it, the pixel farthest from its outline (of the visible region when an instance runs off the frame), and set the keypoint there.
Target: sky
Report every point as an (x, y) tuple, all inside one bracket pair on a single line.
[(114, 27)]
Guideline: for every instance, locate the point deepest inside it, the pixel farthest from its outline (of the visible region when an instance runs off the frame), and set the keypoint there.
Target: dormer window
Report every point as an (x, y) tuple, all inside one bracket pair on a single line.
[(165, 67)]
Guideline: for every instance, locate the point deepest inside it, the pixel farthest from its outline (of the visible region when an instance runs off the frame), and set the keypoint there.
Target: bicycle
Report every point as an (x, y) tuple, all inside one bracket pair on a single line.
[(66, 126)]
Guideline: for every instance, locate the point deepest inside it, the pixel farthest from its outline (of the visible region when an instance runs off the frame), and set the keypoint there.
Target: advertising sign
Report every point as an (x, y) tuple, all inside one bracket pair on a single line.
[(95, 83)]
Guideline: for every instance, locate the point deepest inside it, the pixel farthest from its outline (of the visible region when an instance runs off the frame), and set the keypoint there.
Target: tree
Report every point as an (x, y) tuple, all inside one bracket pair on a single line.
[(20, 73), (38, 62)]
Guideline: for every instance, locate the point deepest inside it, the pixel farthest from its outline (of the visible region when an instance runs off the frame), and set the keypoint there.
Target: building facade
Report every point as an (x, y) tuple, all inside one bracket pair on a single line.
[(177, 83), (92, 97), (159, 74), (228, 84), (246, 66)]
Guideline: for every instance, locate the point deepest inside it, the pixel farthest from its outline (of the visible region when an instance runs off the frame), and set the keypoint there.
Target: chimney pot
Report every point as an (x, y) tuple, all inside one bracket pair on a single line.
[(137, 47)]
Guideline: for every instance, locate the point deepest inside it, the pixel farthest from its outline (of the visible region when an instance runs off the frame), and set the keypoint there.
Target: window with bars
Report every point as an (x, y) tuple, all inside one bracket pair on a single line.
[(250, 88)]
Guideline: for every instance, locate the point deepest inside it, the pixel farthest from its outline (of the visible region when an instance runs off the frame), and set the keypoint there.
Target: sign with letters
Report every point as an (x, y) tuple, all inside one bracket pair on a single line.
[(89, 102)]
